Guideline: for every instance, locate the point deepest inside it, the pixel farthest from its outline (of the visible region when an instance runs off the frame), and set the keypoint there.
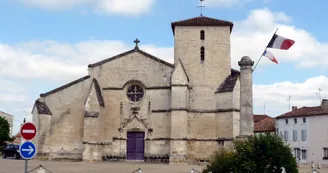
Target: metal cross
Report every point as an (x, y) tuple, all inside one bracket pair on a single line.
[(201, 7), (136, 42)]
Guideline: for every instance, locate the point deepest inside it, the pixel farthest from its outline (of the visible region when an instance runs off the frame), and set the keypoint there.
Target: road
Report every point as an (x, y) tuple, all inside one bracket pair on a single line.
[(17, 166)]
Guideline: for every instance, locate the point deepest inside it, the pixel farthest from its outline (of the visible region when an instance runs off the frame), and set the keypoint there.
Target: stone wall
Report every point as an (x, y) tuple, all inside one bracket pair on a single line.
[(204, 77), (65, 132)]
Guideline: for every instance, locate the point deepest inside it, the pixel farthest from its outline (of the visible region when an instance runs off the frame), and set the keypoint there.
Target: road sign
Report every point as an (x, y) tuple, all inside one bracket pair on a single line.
[(28, 131), (27, 150)]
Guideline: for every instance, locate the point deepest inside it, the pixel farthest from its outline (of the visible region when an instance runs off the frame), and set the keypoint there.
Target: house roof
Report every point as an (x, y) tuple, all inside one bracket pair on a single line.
[(65, 86), (229, 83), (201, 21), (304, 112), (136, 49), (265, 125), (259, 117), (6, 114)]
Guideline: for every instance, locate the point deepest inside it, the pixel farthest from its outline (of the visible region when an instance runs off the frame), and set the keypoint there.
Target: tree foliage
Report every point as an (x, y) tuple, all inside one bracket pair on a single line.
[(222, 161), (4, 131), (257, 154)]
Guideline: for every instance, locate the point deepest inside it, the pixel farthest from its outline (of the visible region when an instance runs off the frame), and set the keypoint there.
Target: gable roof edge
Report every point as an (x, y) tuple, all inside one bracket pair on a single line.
[(136, 49)]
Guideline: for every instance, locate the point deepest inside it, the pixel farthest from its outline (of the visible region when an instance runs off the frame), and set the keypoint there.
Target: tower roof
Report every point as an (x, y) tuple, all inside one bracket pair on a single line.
[(201, 21)]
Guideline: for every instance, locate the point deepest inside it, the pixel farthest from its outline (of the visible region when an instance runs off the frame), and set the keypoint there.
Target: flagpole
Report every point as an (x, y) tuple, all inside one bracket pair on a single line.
[(264, 51)]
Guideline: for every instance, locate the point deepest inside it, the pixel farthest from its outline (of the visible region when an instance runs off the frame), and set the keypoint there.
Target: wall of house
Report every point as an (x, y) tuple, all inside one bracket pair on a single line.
[(299, 126), (10, 120), (318, 138)]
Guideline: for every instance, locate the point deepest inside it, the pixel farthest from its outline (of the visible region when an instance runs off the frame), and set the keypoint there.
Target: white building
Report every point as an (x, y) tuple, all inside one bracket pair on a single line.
[(306, 131), (10, 120)]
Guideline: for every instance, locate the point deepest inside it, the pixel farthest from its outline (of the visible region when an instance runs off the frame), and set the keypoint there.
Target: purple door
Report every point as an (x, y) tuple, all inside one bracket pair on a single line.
[(135, 145)]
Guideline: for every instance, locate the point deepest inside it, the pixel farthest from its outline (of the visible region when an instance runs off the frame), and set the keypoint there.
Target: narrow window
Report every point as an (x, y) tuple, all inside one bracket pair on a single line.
[(304, 154), (286, 136), (325, 153), (202, 35), (295, 135), (304, 120), (286, 120), (303, 135), (202, 54), (295, 121)]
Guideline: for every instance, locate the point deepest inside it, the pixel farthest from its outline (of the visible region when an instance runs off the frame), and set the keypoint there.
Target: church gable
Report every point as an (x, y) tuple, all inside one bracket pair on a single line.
[(136, 49), (179, 75), (132, 65), (229, 83)]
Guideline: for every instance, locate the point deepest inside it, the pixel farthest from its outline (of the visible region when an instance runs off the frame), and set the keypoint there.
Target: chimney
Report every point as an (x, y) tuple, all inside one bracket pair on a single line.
[(246, 97), (294, 108), (324, 104)]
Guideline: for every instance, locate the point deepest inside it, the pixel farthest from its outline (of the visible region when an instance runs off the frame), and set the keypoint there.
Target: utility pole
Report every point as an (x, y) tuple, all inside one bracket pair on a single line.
[(289, 97), (319, 94)]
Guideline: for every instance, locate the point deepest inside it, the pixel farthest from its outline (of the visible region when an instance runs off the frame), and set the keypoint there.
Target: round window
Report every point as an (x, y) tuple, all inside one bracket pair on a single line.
[(135, 93)]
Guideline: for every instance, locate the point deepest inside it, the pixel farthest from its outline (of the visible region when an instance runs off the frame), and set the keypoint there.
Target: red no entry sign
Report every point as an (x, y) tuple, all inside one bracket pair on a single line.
[(28, 131)]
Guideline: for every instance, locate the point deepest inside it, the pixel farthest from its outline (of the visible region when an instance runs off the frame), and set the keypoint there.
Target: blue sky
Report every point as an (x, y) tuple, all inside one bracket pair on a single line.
[(45, 44)]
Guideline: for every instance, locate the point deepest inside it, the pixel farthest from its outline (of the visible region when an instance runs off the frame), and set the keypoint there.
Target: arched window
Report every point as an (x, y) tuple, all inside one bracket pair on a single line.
[(202, 35), (202, 54)]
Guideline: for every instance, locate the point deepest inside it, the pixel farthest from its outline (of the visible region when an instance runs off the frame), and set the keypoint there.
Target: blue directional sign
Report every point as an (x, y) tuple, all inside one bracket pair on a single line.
[(27, 150)]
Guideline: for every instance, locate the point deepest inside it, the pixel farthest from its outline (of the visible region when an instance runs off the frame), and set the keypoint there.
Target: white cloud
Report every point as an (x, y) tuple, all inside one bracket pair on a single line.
[(275, 96), (251, 36), (10, 92), (126, 7), (59, 61)]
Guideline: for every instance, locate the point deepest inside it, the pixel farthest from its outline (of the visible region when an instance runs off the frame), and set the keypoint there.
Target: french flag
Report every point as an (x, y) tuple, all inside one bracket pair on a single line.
[(279, 42), (270, 56)]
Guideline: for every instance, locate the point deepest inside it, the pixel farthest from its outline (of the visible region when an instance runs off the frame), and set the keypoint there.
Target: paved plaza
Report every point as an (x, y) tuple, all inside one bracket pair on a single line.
[(17, 166)]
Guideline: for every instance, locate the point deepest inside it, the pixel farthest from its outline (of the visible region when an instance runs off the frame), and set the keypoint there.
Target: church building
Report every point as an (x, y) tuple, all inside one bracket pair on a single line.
[(135, 106)]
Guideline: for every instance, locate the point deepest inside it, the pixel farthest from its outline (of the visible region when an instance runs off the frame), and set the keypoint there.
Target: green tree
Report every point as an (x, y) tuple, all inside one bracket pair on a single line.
[(222, 161), (4, 131), (263, 154), (257, 154)]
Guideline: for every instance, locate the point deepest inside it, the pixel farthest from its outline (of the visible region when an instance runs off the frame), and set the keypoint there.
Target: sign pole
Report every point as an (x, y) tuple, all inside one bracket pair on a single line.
[(27, 149), (26, 164)]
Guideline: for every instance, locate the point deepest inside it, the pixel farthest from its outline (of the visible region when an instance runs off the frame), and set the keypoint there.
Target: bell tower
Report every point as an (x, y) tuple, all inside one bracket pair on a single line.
[(203, 46)]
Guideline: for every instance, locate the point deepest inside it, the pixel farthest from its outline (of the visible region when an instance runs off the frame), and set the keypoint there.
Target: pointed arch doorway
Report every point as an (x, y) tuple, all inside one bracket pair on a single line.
[(135, 147)]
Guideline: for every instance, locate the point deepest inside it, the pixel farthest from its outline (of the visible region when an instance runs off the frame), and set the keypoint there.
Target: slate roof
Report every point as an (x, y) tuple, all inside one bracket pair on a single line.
[(98, 93), (136, 49), (304, 112), (229, 83), (42, 108), (201, 21), (64, 86), (265, 125)]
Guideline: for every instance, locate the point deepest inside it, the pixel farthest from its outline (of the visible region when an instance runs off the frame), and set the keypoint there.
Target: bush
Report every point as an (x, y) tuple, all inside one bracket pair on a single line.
[(222, 161), (256, 154)]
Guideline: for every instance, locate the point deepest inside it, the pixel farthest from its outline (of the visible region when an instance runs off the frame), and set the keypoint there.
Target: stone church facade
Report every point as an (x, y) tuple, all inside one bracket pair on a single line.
[(135, 106)]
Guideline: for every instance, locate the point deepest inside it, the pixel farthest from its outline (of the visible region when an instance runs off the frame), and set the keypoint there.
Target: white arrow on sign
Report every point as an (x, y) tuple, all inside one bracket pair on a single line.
[(30, 149), (28, 131)]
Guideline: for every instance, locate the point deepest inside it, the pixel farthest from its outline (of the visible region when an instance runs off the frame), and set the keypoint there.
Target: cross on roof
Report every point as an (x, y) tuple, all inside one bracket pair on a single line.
[(136, 42), (201, 7)]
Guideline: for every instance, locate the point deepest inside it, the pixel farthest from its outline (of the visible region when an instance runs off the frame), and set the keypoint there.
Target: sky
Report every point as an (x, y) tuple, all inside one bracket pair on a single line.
[(46, 44)]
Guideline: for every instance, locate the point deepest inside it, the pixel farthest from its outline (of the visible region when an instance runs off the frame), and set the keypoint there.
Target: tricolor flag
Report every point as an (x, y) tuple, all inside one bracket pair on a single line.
[(270, 56), (279, 42)]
